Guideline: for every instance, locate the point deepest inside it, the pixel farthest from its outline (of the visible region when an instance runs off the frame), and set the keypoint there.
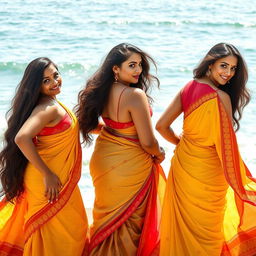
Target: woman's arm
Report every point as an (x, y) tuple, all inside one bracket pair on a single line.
[(139, 109), (225, 99), (39, 118), (167, 118)]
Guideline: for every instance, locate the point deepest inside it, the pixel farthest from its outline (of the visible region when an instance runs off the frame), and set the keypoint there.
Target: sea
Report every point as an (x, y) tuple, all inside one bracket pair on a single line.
[(77, 35)]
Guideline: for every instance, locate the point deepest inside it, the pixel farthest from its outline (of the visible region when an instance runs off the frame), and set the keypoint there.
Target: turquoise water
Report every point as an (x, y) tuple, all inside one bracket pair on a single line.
[(78, 34)]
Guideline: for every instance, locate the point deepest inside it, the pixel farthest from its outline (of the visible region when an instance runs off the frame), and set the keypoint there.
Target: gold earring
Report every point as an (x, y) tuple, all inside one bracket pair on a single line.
[(116, 77)]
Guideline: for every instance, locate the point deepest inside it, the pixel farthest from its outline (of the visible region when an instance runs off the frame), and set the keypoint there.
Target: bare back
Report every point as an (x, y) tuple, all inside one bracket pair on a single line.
[(117, 106)]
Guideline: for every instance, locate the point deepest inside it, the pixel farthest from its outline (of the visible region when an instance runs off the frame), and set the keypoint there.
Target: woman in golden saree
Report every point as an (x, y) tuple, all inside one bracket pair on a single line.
[(210, 200), (42, 212), (125, 168)]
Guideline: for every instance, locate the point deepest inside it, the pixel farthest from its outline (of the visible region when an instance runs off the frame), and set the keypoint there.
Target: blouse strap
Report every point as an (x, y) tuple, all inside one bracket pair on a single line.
[(118, 105)]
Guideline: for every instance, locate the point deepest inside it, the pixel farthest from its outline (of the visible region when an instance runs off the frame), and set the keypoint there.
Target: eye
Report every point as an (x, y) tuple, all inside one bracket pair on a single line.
[(56, 75), (233, 68), (46, 81), (223, 65), (132, 65)]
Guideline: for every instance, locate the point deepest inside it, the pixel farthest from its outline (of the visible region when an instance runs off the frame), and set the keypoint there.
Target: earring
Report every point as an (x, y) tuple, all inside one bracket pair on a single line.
[(116, 78)]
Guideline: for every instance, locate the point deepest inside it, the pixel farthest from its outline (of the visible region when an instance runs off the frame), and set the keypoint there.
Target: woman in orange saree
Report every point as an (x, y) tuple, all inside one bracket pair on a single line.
[(46, 215), (210, 200), (127, 177)]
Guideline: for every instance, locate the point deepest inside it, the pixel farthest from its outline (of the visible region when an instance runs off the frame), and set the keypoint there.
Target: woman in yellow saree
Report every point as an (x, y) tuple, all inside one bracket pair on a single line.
[(42, 212), (127, 177), (210, 200)]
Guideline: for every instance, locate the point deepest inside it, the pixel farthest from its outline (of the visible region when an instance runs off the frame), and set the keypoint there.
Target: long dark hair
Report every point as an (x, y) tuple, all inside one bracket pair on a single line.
[(236, 88), (12, 160), (93, 98)]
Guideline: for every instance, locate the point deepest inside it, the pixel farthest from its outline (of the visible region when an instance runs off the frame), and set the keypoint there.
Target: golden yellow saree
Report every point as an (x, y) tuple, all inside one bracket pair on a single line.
[(210, 201), (34, 227), (128, 192)]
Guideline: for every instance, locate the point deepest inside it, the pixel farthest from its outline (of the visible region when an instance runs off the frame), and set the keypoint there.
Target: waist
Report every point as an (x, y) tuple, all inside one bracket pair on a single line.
[(131, 137)]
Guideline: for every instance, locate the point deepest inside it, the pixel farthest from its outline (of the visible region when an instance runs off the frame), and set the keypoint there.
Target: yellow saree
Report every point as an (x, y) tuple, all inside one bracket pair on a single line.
[(128, 193), (34, 227), (210, 200)]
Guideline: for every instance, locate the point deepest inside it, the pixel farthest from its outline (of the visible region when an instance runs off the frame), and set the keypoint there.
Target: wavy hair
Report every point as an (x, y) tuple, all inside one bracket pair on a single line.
[(93, 98), (27, 95), (236, 88)]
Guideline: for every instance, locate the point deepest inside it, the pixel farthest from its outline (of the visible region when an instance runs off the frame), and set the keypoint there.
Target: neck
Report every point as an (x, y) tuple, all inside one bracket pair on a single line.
[(213, 83), (49, 98), (122, 83)]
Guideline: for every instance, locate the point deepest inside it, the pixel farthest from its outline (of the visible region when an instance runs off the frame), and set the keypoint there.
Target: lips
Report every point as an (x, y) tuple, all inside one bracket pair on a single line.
[(136, 77), (56, 87), (224, 78)]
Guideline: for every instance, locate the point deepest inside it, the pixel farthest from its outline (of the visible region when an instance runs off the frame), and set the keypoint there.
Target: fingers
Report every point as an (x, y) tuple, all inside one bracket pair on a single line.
[(52, 194), (53, 186)]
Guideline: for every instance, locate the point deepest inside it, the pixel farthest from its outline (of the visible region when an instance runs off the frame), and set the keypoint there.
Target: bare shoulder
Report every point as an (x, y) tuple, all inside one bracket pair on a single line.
[(224, 96), (135, 98), (46, 108), (135, 94)]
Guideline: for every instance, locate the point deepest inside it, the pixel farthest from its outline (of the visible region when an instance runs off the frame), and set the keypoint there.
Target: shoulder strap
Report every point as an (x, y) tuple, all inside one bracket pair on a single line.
[(117, 113)]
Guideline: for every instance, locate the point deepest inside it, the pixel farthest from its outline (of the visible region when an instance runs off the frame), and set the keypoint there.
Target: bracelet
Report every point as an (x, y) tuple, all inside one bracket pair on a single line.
[(162, 151)]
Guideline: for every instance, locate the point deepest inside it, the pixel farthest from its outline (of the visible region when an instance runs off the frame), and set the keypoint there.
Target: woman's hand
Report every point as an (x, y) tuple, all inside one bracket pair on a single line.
[(159, 158), (52, 186)]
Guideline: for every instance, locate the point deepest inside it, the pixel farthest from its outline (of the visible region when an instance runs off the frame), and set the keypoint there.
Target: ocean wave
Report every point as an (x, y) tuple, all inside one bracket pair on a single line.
[(76, 68), (172, 23)]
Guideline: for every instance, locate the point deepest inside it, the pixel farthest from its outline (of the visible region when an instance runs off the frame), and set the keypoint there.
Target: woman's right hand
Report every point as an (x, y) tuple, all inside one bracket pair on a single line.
[(160, 158), (52, 186)]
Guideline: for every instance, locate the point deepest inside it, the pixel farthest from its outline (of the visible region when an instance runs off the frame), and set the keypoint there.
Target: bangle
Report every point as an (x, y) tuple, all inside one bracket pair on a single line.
[(161, 151)]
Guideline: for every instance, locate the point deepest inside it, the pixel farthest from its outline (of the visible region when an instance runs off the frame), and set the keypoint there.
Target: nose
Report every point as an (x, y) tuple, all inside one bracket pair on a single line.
[(139, 69), (55, 81), (228, 71)]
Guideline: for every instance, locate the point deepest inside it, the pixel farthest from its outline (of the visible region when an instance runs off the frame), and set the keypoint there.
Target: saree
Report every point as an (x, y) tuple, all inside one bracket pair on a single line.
[(129, 189), (33, 226), (210, 200)]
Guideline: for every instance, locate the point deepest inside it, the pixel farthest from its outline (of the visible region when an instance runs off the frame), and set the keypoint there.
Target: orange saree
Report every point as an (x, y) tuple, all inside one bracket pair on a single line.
[(128, 193), (210, 200), (34, 227)]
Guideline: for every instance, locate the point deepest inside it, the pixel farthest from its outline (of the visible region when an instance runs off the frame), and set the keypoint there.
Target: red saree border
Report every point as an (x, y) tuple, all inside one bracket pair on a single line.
[(230, 158), (116, 223), (50, 210), (243, 244), (3, 203), (7, 249), (150, 236), (199, 102)]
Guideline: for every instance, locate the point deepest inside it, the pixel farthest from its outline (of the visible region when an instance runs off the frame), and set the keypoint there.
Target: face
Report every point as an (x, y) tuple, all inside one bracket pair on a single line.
[(222, 70), (130, 70), (51, 83)]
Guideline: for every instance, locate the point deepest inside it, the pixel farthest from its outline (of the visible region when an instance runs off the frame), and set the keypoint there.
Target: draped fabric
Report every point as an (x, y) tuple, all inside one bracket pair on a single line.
[(32, 225), (210, 200), (129, 189)]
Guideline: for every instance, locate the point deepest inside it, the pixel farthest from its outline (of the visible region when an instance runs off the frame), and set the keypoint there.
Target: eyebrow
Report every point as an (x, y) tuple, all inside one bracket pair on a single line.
[(228, 64), (132, 62), (56, 72)]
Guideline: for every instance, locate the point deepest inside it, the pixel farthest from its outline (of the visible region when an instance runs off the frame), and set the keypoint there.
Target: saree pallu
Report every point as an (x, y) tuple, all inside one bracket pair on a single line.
[(210, 200), (129, 189), (33, 226)]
